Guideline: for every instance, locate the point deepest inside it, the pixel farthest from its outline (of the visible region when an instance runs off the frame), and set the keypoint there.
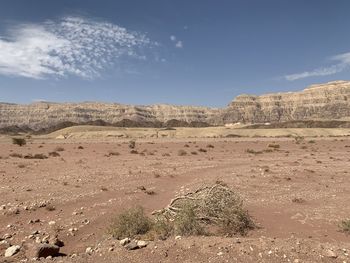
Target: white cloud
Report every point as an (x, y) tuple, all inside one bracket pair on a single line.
[(179, 44), (71, 46), (343, 62), (172, 38)]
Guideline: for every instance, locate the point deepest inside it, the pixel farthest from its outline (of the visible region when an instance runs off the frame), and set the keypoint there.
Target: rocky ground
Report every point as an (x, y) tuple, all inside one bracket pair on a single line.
[(296, 191)]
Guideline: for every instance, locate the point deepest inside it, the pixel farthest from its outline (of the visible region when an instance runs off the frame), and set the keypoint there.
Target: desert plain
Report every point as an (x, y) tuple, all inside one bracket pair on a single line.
[(295, 185)]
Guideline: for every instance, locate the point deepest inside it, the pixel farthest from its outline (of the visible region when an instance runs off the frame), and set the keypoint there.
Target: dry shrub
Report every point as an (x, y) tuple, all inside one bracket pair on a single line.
[(54, 154), (274, 146), (345, 226), (252, 151), (59, 149), (113, 153), (130, 223), (181, 153), (19, 141), (209, 208), (16, 155), (186, 223), (35, 156), (132, 144), (215, 205)]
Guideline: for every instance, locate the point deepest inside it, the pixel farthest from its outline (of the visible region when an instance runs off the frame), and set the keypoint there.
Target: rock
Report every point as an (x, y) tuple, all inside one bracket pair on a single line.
[(46, 250), (132, 245), (330, 254), (12, 251), (57, 242), (89, 250), (142, 243), (7, 236), (51, 223), (124, 241)]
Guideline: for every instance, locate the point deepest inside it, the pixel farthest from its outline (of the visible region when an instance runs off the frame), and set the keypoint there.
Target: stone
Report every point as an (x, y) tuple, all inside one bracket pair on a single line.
[(46, 250), (11, 251), (330, 254), (124, 241), (89, 250), (132, 245), (142, 243)]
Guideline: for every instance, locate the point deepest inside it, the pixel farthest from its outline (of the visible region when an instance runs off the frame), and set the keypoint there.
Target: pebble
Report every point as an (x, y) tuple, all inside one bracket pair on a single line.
[(89, 250), (12, 251)]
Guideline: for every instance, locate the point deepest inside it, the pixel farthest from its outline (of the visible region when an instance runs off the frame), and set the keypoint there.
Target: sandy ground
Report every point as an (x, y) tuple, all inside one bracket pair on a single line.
[(98, 132), (87, 188)]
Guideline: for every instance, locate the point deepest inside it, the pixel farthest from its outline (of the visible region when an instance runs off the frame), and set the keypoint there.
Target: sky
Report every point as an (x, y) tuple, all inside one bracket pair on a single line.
[(198, 52)]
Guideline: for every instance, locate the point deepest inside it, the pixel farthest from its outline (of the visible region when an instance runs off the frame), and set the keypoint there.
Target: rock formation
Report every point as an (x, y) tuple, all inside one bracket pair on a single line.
[(324, 101)]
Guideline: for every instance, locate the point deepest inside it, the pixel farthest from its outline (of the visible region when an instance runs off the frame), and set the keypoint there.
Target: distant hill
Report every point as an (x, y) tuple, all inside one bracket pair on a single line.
[(321, 102)]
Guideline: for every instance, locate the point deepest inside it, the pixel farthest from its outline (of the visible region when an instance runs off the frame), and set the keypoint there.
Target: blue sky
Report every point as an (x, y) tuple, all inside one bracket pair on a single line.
[(196, 52)]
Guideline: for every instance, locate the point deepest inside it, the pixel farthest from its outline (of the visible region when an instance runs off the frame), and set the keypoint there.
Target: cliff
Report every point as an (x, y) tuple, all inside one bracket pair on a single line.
[(327, 101)]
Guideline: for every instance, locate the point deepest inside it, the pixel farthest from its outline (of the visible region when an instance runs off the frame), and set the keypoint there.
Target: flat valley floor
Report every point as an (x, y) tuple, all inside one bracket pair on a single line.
[(297, 192)]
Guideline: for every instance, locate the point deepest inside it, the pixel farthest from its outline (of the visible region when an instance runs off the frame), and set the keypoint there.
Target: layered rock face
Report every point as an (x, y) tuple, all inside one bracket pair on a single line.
[(317, 102), (323, 101), (43, 115)]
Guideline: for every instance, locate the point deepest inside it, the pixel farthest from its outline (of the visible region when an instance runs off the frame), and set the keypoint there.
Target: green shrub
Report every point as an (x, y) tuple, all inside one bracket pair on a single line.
[(130, 223)]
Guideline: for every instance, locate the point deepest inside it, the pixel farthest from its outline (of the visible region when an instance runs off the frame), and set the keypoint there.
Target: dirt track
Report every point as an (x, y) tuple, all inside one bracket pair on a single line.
[(297, 193)]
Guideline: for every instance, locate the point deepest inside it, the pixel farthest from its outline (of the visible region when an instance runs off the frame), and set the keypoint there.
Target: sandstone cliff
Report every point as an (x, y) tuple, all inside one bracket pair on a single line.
[(323, 101)]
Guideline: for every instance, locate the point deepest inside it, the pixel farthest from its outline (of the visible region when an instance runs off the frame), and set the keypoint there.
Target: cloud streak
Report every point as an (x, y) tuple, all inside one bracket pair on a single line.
[(71, 46), (342, 63)]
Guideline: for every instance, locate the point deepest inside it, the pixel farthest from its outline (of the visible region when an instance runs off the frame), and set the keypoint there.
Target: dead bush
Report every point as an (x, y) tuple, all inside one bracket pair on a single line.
[(215, 205), (345, 226), (19, 141), (35, 156), (59, 149), (54, 154), (16, 155), (132, 144), (181, 153)]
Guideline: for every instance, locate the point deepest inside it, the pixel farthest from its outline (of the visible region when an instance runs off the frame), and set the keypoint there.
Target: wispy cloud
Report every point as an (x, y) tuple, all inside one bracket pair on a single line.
[(71, 46), (179, 44), (342, 61)]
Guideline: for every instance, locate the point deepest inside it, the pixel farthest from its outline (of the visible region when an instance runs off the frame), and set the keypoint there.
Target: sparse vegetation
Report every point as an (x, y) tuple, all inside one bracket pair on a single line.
[(59, 149), (274, 146), (111, 153), (132, 144), (35, 156), (186, 223), (345, 226), (181, 153), (130, 223), (54, 154), (252, 151), (16, 155), (50, 208), (19, 141)]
